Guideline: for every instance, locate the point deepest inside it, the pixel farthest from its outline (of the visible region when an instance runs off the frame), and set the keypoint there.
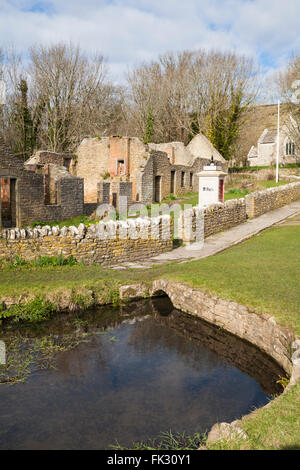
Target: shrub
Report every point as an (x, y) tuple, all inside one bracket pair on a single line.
[(36, 310)]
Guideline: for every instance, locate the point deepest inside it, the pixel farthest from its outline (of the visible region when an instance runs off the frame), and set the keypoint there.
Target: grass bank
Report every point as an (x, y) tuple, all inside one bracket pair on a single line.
[(262, 273), (275, 427)]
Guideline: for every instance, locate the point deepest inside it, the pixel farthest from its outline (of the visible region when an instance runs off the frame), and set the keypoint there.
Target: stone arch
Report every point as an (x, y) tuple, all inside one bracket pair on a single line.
[(160, 288), (232, 317)]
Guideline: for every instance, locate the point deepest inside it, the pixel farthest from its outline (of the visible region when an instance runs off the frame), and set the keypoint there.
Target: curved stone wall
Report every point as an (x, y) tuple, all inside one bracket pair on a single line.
[(260, 330)]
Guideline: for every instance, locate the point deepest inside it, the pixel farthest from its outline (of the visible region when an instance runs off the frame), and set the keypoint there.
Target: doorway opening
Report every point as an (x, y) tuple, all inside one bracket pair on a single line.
[(8, 202), (157, 190), (172, 188)]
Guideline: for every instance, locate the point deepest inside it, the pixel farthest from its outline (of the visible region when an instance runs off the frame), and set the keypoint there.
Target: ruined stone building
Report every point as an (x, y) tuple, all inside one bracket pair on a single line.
[(51, 186), (115, 166), (37, 191)]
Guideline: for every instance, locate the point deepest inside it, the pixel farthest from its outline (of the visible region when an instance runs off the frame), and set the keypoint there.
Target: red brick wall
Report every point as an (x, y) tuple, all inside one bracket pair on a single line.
[(119, 147)]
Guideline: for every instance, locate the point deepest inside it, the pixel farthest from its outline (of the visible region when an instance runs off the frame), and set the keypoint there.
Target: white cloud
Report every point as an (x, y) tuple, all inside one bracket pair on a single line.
[(130, 31)]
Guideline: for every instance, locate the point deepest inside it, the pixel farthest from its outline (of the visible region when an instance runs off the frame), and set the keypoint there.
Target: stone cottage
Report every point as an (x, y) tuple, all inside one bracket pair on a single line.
[(37, 191), (115, 166), (265, 153)]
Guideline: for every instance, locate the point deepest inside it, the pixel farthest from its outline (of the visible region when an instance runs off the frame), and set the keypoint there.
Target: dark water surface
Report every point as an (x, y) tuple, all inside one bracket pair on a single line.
[(125, 375)]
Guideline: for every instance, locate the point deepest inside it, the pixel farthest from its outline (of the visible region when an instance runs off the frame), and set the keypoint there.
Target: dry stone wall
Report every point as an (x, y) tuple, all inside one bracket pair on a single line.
[(223, 216), (196, 223), (260, 202), (105, 243), (260, 330)]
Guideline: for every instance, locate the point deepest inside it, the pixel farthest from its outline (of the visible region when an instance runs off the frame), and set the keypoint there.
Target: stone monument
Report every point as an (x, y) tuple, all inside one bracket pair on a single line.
[(211, 184)]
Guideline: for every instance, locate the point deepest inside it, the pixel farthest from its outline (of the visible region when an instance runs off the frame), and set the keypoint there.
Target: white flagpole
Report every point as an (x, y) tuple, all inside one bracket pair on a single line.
[(277, 153)]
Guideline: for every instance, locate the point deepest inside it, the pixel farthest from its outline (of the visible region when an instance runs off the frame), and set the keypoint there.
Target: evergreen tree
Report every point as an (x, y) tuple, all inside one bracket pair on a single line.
[(149, 127)]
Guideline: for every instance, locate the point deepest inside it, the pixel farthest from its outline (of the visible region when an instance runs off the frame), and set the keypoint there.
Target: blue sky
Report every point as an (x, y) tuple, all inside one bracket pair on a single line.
[(130, 31)]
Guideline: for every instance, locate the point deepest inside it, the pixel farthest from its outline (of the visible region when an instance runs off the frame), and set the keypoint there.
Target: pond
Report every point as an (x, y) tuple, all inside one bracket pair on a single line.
[(87, 381)]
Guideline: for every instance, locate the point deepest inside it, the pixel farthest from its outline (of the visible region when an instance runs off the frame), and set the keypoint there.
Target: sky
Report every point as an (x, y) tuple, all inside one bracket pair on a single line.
[(128, 32)]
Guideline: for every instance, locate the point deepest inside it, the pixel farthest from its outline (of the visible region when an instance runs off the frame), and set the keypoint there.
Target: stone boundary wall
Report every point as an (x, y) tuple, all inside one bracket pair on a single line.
[(212, 219), (106, 243), (260, 202), (223, 216), (260, 330)]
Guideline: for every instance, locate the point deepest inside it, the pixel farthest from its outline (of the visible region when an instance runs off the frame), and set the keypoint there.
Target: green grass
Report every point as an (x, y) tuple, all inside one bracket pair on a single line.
[(274, 427), (231, 193), (272, 184), (235, 193), (167, 441), (262, 273), (80, 219)]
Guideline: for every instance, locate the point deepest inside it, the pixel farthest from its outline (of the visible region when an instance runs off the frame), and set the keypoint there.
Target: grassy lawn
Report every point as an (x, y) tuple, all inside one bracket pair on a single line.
[(273, 428), (80, 219), (238, 186), (262, 273)]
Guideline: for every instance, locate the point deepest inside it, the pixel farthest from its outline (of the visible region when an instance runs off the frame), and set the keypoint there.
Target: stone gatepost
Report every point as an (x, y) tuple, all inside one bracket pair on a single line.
[(211, 184)]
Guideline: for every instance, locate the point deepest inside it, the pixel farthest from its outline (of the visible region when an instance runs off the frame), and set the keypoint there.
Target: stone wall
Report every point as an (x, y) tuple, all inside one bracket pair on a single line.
[(260, 202), (105, 243), (31, 192), (128, 158), (212, 219), (260, 330), (93, 161), (223, 216), (42, 157)]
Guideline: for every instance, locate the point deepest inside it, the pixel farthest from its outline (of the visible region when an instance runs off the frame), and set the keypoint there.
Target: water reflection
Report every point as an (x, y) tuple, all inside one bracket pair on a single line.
[(127, 374)]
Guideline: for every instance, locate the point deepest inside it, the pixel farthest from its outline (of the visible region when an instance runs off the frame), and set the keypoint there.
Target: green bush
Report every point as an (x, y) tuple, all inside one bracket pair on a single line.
[(36, 310), (58, 260), (238, 191), (290, 165), (240, 169), (42, 261)]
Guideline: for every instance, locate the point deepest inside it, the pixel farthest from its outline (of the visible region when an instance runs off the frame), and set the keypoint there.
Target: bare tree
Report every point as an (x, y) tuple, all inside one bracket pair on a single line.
[(288, 84), (15, 112), (72, 93), (192, 92)]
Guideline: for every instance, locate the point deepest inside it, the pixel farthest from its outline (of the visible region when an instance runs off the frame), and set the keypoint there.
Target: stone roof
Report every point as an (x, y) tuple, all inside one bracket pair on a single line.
[(268, 136), (253, 152), (201, 147)]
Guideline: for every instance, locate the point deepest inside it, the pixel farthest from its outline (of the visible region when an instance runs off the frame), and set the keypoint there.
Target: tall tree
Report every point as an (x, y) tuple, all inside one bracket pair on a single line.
[(24, 120), (77, 97), (288, 82), (192, 92)]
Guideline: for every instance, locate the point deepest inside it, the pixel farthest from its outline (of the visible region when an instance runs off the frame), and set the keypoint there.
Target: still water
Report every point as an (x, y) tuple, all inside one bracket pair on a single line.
[(125, 374)]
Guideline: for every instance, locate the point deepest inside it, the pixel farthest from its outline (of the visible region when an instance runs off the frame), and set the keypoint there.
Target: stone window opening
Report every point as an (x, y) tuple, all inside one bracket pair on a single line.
[(289, 148), (120, 167), (182, 178), (114, 200), (172, 186), (51, 191), (191, 179)]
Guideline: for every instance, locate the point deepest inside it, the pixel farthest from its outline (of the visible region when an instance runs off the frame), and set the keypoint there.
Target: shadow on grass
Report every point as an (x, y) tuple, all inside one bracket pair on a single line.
[(291, 447)]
